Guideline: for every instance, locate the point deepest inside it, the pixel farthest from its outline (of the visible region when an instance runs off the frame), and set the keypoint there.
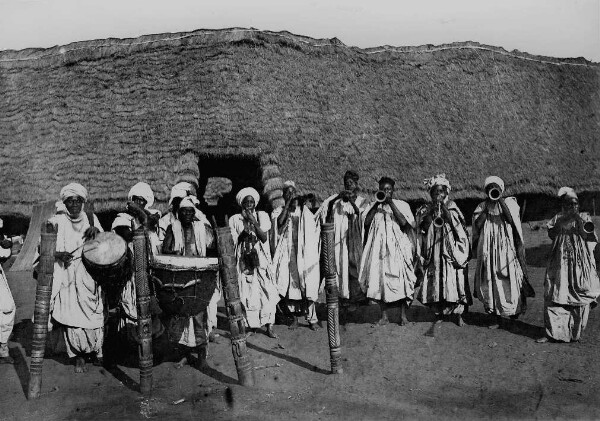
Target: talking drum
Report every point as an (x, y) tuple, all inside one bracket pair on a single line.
[(184, 285), (107, 259)]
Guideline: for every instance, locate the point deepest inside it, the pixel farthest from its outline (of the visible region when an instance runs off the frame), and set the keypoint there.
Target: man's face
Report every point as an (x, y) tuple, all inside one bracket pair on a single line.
[(140, 201), (186, 215), (248, 203), (289, 192), (438, 193), (74, 204), (388, 189), (350, 184), (570, 205)]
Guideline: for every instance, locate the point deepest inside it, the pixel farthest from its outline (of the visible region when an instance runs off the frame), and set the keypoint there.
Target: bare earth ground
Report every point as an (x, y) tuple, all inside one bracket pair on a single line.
[(390, 372)]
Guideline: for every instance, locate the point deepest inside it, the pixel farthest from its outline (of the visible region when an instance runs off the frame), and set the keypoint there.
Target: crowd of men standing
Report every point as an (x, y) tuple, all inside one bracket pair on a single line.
[(383, 252)]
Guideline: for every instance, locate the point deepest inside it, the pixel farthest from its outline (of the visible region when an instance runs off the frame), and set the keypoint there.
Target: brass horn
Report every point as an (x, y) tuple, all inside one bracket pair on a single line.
[(494, 194), (438, 221), (588, 227), (380, 196)]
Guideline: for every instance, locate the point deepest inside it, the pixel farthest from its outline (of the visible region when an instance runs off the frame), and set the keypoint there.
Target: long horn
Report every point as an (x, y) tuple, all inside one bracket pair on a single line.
[(494, 194), (380, 196), (588, 227)]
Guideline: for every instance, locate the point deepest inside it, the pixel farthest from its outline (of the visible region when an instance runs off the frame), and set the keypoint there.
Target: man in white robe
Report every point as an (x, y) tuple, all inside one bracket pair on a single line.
[(7, 304), (296, 258), (344, 210), (76, 302), (387, 269)]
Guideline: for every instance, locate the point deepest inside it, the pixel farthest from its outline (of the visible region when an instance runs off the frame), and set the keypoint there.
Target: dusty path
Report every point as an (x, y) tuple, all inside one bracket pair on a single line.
[(391, 372)]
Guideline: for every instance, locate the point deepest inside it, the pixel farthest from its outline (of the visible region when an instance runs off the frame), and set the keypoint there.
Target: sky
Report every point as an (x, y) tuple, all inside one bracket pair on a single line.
[(557, 28)]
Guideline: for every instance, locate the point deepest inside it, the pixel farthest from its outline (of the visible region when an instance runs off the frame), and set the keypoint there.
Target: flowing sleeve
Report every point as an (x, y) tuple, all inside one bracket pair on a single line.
[(460, 245), (513, 208), (264, 221), (475, 231), (404, 208)]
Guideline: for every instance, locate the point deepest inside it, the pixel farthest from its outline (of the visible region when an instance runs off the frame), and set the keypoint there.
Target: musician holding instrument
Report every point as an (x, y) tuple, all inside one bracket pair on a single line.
[(296, 256), (7, 304), (344, 211), (571, 286), (501, 281), (77, 300), (138, 213), (444, 251), (387, 269), (258, 289), (178, 192), (189, 235)]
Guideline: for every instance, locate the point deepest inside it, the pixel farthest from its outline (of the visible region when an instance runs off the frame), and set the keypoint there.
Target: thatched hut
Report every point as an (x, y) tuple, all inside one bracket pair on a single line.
[(259, 107)]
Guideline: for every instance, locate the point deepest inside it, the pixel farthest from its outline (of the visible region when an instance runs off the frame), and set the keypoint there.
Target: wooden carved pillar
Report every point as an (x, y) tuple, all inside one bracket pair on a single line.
[(43, 294), (235, 315), (332, 294), (140, 255)]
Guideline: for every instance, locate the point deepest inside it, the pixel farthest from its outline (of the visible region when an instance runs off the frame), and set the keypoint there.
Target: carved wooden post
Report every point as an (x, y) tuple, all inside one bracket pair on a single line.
[(235, 315), (43, 294), (140, 255), (332, 295)]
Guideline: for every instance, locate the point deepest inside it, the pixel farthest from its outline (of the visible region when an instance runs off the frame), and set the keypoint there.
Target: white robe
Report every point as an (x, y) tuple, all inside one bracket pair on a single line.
[(347, 227), (7, 307), (387, 268), (301, 279)]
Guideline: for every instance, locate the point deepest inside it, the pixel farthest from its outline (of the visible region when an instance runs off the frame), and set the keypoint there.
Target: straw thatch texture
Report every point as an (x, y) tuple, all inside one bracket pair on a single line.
[(109, 113)]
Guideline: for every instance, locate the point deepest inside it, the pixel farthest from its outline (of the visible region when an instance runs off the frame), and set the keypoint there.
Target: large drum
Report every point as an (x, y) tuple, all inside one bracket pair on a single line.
[(107, 259), (184, 285)]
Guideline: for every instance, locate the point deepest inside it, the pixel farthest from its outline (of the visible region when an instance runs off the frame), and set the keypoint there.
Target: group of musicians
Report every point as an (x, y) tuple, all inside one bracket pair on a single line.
[(383, 253)]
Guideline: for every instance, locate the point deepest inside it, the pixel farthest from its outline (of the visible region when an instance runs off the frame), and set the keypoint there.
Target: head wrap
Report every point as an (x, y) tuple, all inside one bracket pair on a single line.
[(289, 183), (245, 192), (492, 179), (387, 180), (1, 223), (352, 175), (189, 202), (182, 189), (142, 190), (567, 191), (73, 189), (438, 180)]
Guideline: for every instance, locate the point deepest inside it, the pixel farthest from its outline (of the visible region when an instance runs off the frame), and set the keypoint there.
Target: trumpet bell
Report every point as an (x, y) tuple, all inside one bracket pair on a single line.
[(380, 196), (438, 222), (588, 227), (494, 194)]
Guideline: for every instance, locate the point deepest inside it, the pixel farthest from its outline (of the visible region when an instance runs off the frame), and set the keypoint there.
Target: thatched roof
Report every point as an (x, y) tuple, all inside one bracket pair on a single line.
[(109, 113)]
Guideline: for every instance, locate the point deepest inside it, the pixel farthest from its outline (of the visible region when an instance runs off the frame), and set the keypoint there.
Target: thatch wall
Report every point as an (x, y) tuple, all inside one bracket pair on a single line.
[(109, 113)]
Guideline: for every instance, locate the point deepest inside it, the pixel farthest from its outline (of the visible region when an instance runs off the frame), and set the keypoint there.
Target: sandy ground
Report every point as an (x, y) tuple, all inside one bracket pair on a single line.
[(419, 371)]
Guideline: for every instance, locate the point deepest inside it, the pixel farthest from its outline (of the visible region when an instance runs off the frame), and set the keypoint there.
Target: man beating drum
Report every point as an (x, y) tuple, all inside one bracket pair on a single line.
[(189, 235), (76, 301)]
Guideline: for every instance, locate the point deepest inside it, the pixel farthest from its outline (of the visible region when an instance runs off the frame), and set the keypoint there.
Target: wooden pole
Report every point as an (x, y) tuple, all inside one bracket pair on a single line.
[(235, 315), (140, 255), (332, 295), (43, 294)]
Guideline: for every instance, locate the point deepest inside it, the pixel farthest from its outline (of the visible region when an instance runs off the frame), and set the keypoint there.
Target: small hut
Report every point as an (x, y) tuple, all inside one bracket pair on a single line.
[(257, 107)]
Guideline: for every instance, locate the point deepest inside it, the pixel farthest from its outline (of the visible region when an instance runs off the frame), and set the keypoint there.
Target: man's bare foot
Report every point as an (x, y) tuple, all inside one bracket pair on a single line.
[(542, 340), (295, 324), (80, 366), (181, 363), (270, 332), (383, 321), (314, 326)]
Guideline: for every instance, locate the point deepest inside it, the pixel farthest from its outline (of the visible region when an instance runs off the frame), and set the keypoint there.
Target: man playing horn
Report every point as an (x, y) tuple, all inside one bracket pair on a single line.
[(444, 250), (571, 286), (500, 276), (7, 304), (258, 290), (76, 301), (296, 258), (344, 210), (189, 235), (387, 269), (138, 213)]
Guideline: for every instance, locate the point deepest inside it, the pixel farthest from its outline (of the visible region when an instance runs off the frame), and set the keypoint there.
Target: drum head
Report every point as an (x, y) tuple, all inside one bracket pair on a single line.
[(106, 249)]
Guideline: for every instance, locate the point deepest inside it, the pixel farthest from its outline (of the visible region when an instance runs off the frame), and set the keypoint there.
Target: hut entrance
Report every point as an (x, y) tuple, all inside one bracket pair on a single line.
[(221, 177)]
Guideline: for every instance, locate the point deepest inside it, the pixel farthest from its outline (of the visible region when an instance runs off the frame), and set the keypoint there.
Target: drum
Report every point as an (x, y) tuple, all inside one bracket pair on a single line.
[(107, 259), (184, 285)]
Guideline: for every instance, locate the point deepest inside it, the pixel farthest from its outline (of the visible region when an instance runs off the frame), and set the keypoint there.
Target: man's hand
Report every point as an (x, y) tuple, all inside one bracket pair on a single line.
[(64, 256), (90, 233)]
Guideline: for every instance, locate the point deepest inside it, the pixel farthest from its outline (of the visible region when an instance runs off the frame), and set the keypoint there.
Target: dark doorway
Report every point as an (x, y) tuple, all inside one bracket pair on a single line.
[(221, 177)]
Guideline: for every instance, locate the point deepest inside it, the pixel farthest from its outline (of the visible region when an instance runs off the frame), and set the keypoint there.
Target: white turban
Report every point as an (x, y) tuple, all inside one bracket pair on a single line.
[(182, 189), (1, 223), (438, 180), (245, 192), (73, 189), (492, 179), (189, 202), (289, 183), (142, 190), (567, 191)]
